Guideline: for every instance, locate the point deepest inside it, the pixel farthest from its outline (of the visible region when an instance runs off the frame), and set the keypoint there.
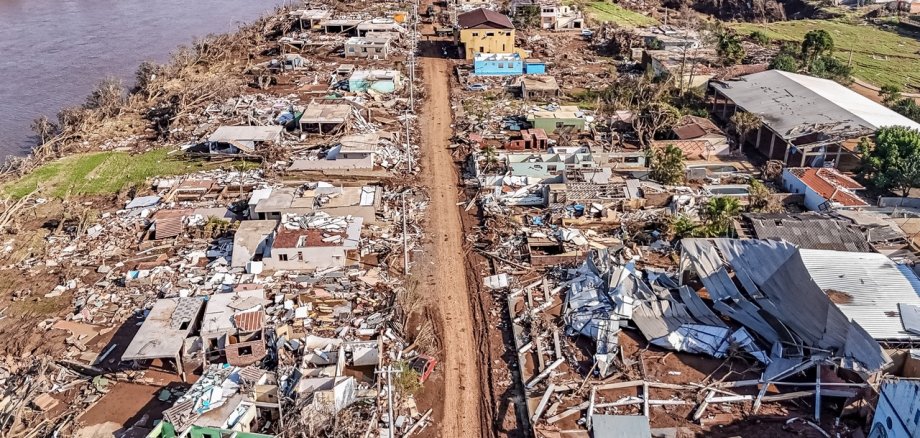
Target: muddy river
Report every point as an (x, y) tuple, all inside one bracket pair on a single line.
[(52, 52)]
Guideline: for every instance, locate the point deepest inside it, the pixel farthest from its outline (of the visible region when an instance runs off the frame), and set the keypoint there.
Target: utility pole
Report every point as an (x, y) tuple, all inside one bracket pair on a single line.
[(389, 372), (405, 235), (409, 157)]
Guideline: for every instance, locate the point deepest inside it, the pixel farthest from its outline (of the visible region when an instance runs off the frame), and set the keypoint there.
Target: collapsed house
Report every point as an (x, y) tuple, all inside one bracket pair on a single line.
[(164, 331), (232, 330), (273, 203), (806, 120), (223, 401), (233, 140)]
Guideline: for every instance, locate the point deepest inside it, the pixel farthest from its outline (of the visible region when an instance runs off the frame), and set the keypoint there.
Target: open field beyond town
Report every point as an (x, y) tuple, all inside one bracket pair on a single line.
[(880, 55)]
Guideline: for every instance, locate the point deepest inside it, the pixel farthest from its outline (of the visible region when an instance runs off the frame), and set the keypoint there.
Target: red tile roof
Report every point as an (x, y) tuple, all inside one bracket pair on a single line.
[(692, 149), (248, 321), (831, 185)]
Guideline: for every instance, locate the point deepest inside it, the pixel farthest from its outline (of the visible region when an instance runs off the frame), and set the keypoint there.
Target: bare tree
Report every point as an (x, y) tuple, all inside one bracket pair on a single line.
[(44, 128)]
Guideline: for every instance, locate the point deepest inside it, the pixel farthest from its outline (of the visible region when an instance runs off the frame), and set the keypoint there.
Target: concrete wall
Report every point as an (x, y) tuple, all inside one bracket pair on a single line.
[(486, 41), (498, 67), (793, 184), (305, 258), (535, 68), (382, 85), (550, 125), (366, 51)]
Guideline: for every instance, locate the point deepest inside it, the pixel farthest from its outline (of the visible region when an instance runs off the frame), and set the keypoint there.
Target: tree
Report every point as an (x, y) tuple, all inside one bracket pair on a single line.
[(817, 43), (759, 37), (908, 107), (745, 122), (890, 94), (146, 73), (828, 67), (681, 226), (651, 118), (667, 165), (786, 59), (44, 128), (760, 198), (729, 49), (108, 97), (893, 161), (527, 17), (490, 158), (718, 213), (785, 62)]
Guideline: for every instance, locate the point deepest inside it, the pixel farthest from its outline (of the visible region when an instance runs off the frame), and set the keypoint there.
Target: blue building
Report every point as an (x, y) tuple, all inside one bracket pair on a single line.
[(534, 66), (498, 64)]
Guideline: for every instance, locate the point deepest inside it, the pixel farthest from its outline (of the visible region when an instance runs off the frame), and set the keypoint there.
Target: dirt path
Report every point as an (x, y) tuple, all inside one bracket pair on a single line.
[(443, 267)]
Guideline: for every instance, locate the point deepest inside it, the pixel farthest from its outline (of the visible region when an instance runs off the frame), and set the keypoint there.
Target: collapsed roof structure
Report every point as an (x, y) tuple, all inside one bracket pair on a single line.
[(779, 301)]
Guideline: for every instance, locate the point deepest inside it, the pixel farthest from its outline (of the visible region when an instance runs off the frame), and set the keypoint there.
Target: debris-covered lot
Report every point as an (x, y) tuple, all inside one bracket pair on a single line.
[(454, 220)]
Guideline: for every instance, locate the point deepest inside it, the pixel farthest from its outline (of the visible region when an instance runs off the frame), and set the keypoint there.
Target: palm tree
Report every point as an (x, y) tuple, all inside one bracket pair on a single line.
[(719, 213), (745, 122)]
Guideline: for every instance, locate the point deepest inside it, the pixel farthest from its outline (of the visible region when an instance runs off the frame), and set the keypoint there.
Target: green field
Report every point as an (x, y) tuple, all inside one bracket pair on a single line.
[(605, 11), (881, 57), (99, 173)]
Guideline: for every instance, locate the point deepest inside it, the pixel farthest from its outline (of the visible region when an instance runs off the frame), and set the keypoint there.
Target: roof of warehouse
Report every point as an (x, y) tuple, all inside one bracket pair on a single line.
[(874, 286), (794, 105)]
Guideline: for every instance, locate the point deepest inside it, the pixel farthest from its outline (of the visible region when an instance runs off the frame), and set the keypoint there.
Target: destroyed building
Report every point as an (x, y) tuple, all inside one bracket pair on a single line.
[(806, 120)]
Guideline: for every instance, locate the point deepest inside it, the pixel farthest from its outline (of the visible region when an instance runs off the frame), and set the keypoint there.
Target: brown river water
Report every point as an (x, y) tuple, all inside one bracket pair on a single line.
[(52, 52)]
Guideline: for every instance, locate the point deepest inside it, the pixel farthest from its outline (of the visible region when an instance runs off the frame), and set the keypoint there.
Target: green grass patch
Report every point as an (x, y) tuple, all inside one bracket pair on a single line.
[(604, 11), (880, 56), (100, 173)]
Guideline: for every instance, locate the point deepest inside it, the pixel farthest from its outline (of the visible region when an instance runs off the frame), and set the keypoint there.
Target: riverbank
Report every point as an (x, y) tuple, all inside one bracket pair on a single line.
[(162, 109), (55, 52)]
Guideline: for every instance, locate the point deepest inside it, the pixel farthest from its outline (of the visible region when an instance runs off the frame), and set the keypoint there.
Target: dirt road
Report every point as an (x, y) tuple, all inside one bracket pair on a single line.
[(443, 265)]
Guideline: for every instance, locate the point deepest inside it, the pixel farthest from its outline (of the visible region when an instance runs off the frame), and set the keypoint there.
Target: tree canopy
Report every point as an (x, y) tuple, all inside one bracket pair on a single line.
[(892, 161), (817, 43), (718, 213), (667, 165), (729, 48)]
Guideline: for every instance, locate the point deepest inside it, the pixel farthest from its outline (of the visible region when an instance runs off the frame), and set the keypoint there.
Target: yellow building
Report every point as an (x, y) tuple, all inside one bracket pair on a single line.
[(485, 31)]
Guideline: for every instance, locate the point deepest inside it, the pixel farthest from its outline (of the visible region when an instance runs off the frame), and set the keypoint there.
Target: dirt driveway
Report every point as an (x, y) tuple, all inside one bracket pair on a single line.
[(442, 268)]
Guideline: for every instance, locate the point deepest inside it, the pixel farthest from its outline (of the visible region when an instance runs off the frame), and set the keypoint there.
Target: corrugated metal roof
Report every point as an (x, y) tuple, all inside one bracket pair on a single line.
[(794, 105), (875, 286)]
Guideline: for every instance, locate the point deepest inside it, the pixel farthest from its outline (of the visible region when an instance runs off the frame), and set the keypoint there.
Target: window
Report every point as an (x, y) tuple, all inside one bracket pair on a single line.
[(503, 47), (560, 124), (917, 417), (300, 255), (351, 50), (889, 423), (490, 34), (475, 33), (630, 159), (245, 351), (184, 325), (283, 257), (501, 65)]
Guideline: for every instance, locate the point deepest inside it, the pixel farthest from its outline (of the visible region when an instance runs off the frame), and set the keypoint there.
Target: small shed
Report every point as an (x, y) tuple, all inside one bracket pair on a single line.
[(561, 117), (533, 66), (539, 87), (324, 118)]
